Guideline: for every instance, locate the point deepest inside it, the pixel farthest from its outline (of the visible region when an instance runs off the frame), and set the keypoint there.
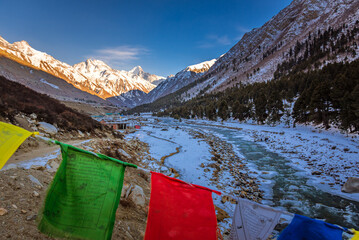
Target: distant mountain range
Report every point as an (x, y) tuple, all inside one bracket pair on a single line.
[(92, 76), (119, 87)]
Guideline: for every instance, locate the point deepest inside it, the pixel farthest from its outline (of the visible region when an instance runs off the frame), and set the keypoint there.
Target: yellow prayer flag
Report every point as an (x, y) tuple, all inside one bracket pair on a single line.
[(356, 234), (11, 137)]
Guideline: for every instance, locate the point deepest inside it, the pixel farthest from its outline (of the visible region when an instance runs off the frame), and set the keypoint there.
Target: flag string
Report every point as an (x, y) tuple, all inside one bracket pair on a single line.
[(234, 197)]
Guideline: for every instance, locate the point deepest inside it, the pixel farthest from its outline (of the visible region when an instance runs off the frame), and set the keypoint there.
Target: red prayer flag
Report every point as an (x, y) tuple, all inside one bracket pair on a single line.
[(179, 210)]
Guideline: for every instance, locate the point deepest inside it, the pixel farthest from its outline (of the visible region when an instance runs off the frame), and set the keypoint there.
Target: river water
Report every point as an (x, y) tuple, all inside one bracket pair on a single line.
[(289, 188)]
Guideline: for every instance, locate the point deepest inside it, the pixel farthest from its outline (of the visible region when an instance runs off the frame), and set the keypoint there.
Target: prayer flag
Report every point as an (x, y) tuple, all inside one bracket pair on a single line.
[(84, 195), (356, 235), (307, 228), (11, 137), (179, 210), (252, 221)]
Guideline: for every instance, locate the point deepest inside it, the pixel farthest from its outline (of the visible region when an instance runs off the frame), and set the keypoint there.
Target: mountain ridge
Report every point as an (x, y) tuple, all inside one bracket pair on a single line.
[(256, 56), (306, 35)]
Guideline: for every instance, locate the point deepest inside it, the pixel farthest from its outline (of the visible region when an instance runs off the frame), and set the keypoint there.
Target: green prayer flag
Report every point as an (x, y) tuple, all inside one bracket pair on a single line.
[(84, 195)]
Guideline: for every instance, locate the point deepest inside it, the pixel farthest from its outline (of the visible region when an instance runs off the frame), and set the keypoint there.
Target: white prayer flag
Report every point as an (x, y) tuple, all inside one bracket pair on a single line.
[(253, 221)]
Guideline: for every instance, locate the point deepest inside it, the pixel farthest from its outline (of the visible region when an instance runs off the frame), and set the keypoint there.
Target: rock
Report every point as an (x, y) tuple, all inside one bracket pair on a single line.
[(228, 199), (221, 214), (33, 116), (224, 199), (351, 186), (47, 128), (37, 167), (23, 122), (316, 173), (126, 189), (23, 211), (123, 153), (54, 166), (3, 211), (163, 169), (174, 171), (137, 196), (81, 134), (35, 181), (31, 217), (14, 206), (35, 194)]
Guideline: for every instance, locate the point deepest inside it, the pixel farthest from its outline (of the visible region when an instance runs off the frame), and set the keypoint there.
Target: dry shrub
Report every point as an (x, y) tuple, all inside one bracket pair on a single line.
[(16, 98)]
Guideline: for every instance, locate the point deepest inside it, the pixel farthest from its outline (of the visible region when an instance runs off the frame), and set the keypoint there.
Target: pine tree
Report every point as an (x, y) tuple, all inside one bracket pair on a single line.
[(223, 112), (211, 112), (260, 103)]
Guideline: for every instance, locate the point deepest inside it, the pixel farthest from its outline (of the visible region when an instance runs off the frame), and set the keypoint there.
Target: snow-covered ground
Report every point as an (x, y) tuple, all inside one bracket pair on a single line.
[(193, 152), (50, 84), (163, 140)]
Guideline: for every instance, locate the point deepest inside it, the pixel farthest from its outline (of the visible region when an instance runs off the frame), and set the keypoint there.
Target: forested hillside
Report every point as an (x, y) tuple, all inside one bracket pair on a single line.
[(328, 96)]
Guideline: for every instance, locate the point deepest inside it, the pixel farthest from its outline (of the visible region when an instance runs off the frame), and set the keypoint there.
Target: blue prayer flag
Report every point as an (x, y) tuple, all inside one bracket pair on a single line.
[(305, 228)]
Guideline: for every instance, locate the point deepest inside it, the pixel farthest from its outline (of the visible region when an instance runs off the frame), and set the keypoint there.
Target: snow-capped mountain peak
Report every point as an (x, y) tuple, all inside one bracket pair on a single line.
[(93, 76), (95, 62), (3, 40), (91, 65), (22, 45), (137, 70), (201, 67)]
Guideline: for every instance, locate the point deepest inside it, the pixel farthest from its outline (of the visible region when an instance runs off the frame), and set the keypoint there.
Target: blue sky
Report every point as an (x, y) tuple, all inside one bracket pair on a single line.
[(163, 36)]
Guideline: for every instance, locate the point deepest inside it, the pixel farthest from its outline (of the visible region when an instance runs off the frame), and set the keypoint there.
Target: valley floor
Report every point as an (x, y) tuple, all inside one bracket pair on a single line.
[(300, 170)]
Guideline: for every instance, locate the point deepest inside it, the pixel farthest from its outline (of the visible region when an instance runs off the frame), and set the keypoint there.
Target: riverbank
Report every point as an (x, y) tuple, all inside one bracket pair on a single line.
[(327, 157)]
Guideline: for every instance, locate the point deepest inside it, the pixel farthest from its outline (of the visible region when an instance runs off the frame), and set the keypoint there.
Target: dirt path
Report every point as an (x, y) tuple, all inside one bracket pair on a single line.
[(43, 149), (163, 158)]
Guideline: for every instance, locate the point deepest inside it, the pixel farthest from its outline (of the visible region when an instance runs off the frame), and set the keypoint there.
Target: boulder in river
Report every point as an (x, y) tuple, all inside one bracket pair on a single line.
[(351, 186)]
